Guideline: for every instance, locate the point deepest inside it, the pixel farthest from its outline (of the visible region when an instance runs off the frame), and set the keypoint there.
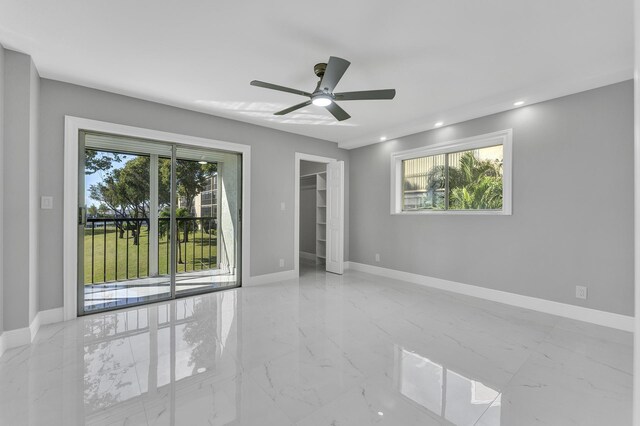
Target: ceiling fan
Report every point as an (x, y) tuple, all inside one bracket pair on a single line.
[(330, 74)]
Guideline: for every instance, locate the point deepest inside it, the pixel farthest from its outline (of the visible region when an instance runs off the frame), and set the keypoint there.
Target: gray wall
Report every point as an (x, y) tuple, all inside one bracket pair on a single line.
[(20, 293), (272, 170), (572, 221), (2, 77)]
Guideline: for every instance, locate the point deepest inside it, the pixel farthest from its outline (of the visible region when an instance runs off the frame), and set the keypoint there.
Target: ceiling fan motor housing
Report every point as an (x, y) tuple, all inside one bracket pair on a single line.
[(319, 69)]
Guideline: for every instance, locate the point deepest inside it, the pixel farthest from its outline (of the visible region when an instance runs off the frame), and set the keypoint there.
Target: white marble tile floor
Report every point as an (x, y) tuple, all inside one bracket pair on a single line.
[(322, 350)]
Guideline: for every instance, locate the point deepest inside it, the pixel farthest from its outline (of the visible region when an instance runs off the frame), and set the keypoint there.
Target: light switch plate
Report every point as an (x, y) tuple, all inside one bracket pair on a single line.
[(46, 202)]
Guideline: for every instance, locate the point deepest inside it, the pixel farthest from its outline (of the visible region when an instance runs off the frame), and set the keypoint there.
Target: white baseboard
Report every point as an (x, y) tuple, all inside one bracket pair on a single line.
[(606, 319), (271, 278), (307, 255), (14, 338), (51, 316), (23, 336)]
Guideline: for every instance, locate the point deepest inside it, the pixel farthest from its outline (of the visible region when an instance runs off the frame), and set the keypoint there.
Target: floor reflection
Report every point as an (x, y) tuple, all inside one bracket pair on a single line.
[(447, 394), (326, 349), (153, 353)]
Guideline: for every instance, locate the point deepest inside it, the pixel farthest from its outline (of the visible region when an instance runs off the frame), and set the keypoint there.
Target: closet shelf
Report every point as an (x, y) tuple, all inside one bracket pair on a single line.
[(318, 181)]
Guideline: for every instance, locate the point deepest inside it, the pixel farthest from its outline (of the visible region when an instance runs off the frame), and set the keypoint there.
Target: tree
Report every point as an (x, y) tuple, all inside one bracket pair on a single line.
[(103, 210), (95, 161), (164, 228), (126, 192), (110, 194), (191, 179), (182, 213), (473, 185), (92, 211)]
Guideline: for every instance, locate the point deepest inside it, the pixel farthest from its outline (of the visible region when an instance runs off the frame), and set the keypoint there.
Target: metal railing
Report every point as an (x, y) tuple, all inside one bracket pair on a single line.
[(118, 249)]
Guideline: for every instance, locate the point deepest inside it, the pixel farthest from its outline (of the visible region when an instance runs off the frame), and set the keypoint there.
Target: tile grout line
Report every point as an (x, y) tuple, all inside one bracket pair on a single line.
[(526, 361)]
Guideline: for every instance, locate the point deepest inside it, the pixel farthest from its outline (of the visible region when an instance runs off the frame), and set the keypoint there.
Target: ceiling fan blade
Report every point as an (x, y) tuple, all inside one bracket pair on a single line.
[(337, 112), (366, 94), (336, 68), (259, 83), (293, 108)]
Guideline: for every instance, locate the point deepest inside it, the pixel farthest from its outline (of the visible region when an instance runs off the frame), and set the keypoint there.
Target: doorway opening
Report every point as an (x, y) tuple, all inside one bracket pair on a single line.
[(313, 214), (319, 213), (157, 220)]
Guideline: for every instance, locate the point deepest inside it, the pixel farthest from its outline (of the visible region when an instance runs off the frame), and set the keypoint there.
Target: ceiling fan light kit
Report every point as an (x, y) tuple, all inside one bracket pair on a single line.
[(323, 95), (321, 100)]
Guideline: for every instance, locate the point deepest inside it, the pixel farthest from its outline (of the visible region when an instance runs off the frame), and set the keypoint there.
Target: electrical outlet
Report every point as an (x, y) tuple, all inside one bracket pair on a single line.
[(377, 257), (282, 263), (581, 292), (283, 207)]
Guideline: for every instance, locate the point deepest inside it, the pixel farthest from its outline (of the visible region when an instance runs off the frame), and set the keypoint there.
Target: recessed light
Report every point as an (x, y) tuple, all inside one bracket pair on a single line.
[(380, 413), (518, 103), (383, 138), (438, 124)]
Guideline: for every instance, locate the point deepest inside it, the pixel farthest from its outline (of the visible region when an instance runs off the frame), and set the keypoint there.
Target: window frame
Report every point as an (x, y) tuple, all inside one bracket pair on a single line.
[(501, 137)]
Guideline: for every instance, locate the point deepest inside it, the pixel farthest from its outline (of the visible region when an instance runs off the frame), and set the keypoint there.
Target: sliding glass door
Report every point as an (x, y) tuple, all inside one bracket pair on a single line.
[(207, 219), (156, 220)]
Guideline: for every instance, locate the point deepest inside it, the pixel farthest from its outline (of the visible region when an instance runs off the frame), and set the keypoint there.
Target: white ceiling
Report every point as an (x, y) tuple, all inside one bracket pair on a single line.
[(449, 60)]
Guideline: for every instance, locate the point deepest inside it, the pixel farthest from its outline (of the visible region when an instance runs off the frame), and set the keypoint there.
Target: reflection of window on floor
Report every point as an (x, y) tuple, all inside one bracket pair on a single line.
[(445, 393), (140, 352)]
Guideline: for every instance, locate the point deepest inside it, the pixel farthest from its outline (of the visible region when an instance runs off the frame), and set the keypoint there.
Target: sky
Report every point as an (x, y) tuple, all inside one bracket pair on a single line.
[(97, 177)]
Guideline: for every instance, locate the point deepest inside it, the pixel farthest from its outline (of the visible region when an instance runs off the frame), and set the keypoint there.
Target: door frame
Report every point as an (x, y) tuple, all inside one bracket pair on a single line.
[(636, 214), (299, 156), (72, 127)]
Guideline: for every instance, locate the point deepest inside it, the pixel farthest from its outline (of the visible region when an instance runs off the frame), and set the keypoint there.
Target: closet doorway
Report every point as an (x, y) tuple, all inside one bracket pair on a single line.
[(319, 224), (313, 213)]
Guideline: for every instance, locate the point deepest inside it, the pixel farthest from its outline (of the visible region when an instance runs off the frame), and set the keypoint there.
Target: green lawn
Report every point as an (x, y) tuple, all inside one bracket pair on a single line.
[(198, 254)]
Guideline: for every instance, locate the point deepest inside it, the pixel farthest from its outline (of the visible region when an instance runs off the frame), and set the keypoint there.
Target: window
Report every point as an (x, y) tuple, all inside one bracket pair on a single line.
[(205, 211), (207, 198), (468, 176)]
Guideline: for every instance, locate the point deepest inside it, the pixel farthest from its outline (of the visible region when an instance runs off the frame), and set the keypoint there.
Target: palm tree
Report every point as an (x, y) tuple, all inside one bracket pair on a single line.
[(473, 185)]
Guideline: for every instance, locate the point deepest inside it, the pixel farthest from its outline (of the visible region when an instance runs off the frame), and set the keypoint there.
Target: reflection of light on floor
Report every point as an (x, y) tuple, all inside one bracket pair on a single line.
[(444, 392), (126, 292), (227, 312), (481, 394)]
